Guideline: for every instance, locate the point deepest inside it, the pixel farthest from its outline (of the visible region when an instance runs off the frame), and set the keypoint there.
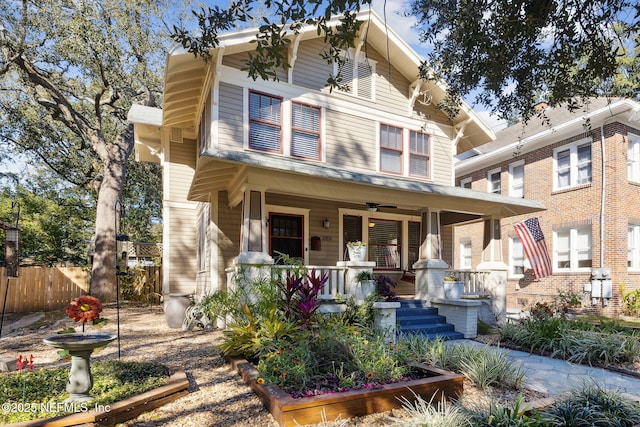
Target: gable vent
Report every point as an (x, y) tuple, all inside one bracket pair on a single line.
[(176, 135)]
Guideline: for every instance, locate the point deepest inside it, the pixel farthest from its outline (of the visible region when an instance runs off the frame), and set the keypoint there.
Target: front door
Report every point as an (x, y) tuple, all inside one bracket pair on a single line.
[(286, 235)]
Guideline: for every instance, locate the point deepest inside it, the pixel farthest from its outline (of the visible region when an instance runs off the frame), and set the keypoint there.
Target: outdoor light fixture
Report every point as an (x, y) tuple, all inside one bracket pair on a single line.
[(326, 223)]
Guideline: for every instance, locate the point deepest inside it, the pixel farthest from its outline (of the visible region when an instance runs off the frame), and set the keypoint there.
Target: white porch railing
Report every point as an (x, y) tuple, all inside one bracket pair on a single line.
[(335, 284), (474, 280)]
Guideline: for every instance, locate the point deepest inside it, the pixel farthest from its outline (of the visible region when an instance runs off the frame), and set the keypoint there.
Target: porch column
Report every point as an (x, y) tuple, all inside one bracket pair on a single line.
[(253, 232), (496, 283), (430, 268)]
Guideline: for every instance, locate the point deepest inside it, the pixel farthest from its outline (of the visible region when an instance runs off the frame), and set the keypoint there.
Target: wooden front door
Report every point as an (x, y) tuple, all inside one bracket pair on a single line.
[(286, 235)]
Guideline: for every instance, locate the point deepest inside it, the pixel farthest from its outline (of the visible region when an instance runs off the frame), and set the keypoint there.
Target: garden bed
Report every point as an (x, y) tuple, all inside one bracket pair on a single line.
[(289, 411), (119, 411)]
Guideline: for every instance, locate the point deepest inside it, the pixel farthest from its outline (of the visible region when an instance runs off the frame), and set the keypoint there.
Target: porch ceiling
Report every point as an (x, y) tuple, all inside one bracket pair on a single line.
[(233, 171)]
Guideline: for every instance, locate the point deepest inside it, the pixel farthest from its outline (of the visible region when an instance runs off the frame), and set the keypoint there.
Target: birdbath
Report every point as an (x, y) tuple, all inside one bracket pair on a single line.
[(80, 347)]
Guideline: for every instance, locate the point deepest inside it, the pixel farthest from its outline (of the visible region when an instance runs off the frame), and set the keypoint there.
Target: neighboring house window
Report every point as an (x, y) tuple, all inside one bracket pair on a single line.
[(572, 165), (465, 183), (385, 243), (390, 149), (419, 154), (516, 257), (572, 249), (493, 180), (516, 179), (358, 76), (465, 255), (633, 247), (265, 122), (305, 131), (633, 158)]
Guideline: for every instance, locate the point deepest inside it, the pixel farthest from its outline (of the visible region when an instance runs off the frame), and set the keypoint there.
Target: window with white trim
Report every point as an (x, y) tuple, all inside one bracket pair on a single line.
[(633, 158), (633, 247), (572, 249), (265, 122), (305, 131), (572, 165), (493, 181), (391, 148), (465, 183), (465, 255), (516, 257), (516, 179), (419, 154), (357, 76)]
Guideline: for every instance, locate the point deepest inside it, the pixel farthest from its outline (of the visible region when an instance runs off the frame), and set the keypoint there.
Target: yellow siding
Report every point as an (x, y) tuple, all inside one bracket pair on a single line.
[(228, 237), (351, 141), (230, 117), (310, 70)]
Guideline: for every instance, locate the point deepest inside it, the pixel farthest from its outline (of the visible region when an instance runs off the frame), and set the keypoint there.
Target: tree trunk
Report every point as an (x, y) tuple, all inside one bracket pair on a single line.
[(114, 158)]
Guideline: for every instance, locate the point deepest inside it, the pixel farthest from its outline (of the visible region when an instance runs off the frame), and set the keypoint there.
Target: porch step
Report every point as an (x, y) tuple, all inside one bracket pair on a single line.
[(416, 317)]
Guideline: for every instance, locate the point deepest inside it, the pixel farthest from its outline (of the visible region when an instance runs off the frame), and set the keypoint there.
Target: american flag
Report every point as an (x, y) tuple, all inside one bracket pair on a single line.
[(534, 246)]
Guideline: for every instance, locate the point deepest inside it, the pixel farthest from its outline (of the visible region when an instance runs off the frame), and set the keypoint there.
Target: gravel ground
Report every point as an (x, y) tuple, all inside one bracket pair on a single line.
[(217, 397)]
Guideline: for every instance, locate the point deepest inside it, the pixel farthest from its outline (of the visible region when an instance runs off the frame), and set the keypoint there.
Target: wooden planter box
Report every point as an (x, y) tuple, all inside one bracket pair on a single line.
[(355, 403)]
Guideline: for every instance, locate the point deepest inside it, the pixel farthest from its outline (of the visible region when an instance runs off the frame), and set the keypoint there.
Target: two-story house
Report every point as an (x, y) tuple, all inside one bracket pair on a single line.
[(584, 167), (256, 168)]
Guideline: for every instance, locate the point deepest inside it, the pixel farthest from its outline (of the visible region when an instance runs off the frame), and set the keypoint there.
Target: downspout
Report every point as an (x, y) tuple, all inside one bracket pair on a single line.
[(602, 191)]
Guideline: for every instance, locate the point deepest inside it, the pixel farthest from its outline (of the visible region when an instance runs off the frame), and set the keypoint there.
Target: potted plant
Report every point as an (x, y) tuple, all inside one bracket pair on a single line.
[(453, 287), (357, 251), (367, 282)]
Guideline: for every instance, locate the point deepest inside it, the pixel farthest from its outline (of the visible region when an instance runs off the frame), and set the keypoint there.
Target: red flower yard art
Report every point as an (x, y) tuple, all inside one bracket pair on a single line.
[(84, 309)]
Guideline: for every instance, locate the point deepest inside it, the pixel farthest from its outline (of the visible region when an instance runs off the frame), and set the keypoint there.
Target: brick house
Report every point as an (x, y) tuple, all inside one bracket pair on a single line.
[(584, 167)]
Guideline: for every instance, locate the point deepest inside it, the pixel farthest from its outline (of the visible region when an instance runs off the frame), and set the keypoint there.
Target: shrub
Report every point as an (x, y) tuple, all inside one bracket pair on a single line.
[(429, 413)]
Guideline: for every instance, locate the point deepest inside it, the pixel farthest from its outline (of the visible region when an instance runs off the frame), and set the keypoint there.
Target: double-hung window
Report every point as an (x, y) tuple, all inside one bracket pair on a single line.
[(572, 249), (633, 158), (493, 181), (265, 122), (516, 179), (391, 149), (419, 154), (305, 131), (633, 247), (572, 165), (516, 257)]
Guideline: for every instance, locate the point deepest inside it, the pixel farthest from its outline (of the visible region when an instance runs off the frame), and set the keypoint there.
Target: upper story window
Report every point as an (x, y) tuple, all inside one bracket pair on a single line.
[(391, 144), (419, 154), (633, 247), (265, 122), (465, 183), (572, 165), (285, 127), (516, 257), (633, 158), (572, 249), (358, 76), (516, 179), (305, 131), (493, 181)]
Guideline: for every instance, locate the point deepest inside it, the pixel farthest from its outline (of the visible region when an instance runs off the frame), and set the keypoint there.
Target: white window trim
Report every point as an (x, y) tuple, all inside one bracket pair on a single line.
[(285, 125), (633, 174), (573, 163), (635, 263), (491, 172), (512, 274), (465, 181), (512, 166), (462, 257), (573, 250)]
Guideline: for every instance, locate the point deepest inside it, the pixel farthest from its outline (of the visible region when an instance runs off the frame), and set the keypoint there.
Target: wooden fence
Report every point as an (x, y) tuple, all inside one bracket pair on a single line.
[(51, 288)]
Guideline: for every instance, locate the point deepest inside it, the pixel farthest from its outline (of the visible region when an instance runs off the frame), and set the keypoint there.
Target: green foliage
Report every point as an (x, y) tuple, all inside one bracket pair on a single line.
[(135, 286), (592, 405), (112, 381), (631, 302), (496, 415), (429, 413), (485, 366)]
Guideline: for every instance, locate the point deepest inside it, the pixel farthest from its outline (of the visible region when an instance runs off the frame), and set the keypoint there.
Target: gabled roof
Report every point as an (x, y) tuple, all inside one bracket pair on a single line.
[(187, 78), (555, 125)]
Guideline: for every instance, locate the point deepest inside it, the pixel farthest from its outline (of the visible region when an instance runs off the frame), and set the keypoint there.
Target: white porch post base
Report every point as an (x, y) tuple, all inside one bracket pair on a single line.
[(385, 318), (461, 313), (496, 286), (429, 277), (351, 285)]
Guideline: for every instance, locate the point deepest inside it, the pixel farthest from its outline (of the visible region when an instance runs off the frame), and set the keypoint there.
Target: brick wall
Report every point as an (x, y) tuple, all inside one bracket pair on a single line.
[(578, 206)]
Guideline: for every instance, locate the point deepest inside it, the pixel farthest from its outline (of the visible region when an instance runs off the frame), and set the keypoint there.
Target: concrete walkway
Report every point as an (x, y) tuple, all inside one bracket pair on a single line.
[(555, 376)]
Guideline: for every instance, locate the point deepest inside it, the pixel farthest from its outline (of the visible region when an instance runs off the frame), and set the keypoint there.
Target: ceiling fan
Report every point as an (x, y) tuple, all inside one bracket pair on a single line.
[(373, 207)]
